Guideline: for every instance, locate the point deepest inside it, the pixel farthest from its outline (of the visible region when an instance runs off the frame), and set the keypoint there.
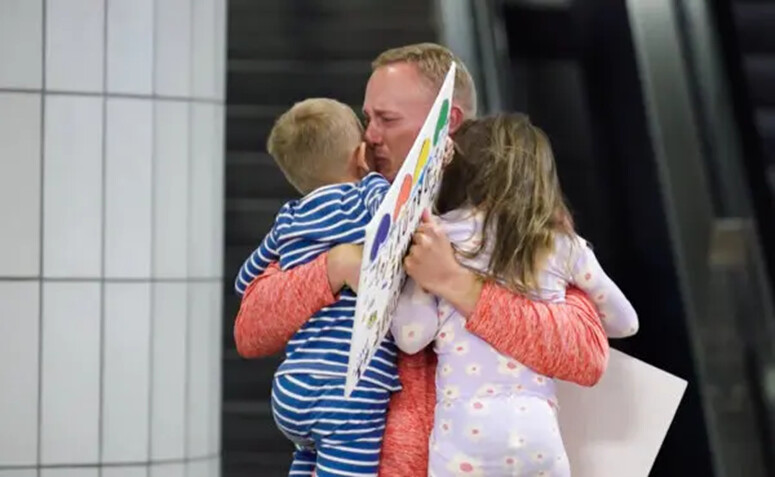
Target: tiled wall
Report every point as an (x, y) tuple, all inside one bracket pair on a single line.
[(111, 224)]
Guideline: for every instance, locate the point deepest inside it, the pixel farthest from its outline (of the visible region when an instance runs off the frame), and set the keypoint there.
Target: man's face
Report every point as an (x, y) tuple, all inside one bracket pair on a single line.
[(395, 106)]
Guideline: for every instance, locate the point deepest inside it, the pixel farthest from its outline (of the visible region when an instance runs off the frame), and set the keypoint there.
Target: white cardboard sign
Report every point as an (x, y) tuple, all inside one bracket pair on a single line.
[(616, 428), (389, 234)]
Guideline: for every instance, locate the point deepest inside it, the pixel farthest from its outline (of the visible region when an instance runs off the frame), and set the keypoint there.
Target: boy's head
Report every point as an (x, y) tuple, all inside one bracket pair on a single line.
[(317, 142)]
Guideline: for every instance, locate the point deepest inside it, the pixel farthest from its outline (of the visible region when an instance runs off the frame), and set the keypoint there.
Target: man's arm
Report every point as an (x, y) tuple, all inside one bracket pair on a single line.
[(565, 341), (277, 304)]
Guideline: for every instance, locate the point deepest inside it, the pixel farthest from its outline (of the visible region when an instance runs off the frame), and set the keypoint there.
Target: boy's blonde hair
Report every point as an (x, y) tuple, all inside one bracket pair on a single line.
[(312, 142), (433, 62)]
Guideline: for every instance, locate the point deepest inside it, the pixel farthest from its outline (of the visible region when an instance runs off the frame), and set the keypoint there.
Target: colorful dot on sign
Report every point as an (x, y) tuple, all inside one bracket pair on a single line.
[(403, 195), (422, 159), (466, 467), (441, 121), (478, 405), (511, 365), (379, 239)]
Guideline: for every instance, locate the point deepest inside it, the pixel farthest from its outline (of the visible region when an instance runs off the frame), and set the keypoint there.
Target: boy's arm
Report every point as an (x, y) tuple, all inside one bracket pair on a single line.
[(257, 262), (415, 320), (278, 303), (373, 189), (616, 312)]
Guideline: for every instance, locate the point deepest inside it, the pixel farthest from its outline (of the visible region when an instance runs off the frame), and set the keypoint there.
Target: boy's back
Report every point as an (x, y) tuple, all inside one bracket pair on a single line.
[(318, 145), (305, 228)]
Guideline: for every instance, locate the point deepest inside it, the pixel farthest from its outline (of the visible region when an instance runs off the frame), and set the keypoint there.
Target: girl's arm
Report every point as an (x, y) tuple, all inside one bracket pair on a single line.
[(415, 320), (617, 314)]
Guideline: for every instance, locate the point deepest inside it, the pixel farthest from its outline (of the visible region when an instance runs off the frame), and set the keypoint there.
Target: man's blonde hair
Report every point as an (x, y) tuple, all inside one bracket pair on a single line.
[(312, 142), (433, 62)]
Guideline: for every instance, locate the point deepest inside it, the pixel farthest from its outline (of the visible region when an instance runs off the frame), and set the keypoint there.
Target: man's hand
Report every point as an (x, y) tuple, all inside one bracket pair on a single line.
[(432, 264), (344, 266)]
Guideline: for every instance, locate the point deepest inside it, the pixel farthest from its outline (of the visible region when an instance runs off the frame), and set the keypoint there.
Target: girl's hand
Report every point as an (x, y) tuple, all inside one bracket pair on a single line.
[(449, 151)]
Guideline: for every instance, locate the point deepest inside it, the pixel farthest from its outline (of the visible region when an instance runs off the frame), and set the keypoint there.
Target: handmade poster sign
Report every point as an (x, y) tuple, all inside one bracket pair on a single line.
[(390, 232), (615, 429)]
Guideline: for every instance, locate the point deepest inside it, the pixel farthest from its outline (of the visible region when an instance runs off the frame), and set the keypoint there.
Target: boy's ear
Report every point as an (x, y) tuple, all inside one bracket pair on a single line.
[(359, 158)]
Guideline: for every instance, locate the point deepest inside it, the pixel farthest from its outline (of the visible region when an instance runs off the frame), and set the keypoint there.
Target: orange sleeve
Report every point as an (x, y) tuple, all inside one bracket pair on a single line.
[(277, 303), (564, 340), (410, 417)]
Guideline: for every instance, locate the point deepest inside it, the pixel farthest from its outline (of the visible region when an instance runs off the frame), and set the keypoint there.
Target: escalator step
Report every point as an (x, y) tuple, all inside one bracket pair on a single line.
[(755, 21), (283, 83)]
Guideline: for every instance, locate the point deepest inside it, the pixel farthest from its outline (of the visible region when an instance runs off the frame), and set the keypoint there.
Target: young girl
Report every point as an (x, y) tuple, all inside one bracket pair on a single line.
[(504, 212)]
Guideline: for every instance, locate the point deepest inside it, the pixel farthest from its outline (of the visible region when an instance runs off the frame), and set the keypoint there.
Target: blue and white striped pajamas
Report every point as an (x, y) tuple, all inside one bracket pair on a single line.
[(334, 436)]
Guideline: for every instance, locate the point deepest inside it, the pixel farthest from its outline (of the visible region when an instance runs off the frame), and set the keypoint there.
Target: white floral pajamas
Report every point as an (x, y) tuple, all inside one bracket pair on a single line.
[(494, 416)]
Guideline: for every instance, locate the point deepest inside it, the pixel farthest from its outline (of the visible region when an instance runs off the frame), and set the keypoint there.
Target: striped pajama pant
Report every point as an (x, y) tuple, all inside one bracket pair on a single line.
[(334, 436)]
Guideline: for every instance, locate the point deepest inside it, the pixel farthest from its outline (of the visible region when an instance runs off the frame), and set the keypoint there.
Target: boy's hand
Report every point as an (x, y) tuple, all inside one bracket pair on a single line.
[(344, 266)]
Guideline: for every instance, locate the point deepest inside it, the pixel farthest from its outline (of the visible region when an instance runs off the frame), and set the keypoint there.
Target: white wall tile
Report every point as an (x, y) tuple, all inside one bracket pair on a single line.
[(78, 472), (170, 175), (71, 373), (21, 43), (221, 48), (202, 202), (19, 345), (200, 343), (75, 45), (19, 181), (168, 406), (200, 468), (126, 374), (203, 56), (139, 471), (168, 470), (219, 191), (72, 244), (173, 48), (215, 337), (130, 46), (19, 473), (128, 163)]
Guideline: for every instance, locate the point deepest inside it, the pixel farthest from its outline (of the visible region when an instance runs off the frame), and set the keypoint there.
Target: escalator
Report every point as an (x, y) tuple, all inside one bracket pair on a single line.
[(629, 136), (748, 44), (282, 51)]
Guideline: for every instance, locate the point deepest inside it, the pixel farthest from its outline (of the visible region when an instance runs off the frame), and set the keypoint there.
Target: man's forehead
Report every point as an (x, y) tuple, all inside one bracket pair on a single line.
[(392, 88)]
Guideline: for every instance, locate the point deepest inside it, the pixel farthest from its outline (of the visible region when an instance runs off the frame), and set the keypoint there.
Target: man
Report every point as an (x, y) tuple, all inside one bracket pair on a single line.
[(565, 341)]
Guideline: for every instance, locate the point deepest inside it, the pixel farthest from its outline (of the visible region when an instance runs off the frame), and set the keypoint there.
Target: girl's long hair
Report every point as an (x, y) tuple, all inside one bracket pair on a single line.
[(504, 168)]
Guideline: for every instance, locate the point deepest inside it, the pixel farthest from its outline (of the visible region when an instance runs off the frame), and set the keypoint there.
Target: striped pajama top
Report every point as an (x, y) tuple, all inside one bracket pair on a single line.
[(303, 229)]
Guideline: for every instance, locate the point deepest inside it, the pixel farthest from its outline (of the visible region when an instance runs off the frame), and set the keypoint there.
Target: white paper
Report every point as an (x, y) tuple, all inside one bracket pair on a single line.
[(615, 429), (389, 234)]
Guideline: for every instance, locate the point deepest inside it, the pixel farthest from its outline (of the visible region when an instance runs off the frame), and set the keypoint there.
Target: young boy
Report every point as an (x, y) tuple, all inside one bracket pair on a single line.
[(318, 146)]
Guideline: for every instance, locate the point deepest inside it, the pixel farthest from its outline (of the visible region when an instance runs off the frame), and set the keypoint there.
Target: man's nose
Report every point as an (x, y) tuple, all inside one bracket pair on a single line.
[(372, 135)]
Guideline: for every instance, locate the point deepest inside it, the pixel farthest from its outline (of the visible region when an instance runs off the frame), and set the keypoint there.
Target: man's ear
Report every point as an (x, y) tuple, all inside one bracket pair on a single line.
[(455, 118)]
